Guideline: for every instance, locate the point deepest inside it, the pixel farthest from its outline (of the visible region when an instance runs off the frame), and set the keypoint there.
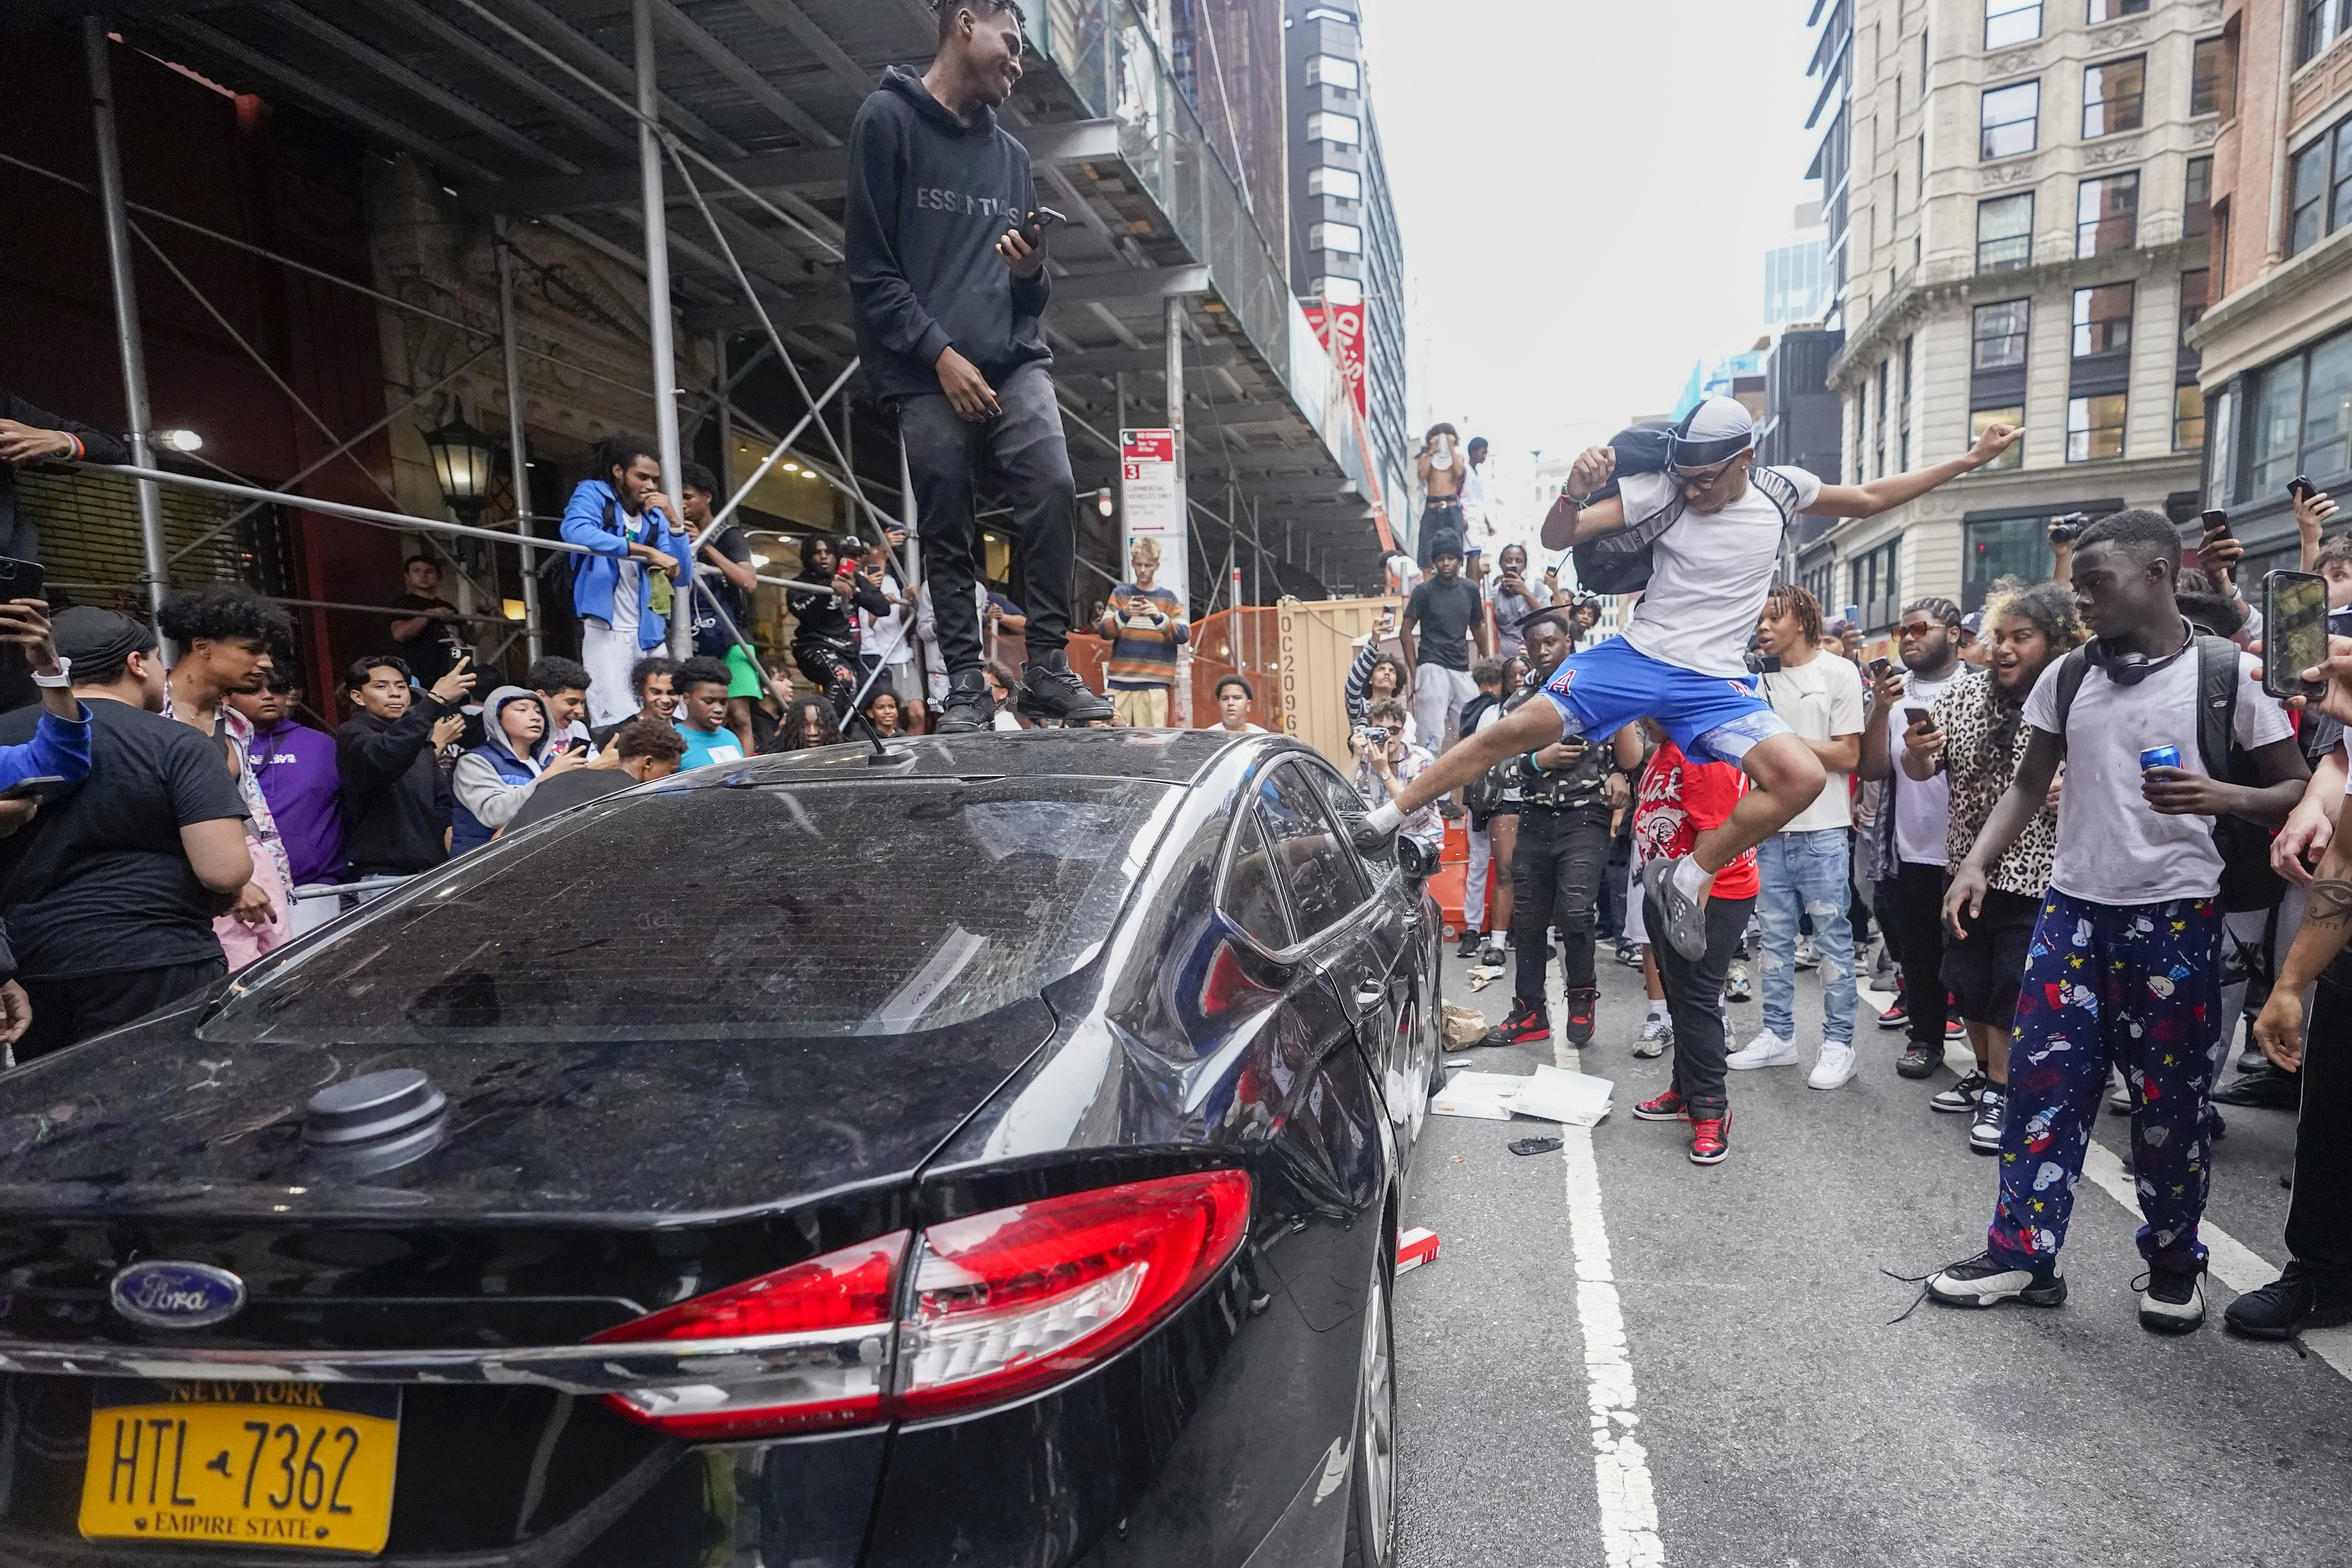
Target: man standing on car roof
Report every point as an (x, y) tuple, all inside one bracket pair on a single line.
[(1683, 657), (947, 274)]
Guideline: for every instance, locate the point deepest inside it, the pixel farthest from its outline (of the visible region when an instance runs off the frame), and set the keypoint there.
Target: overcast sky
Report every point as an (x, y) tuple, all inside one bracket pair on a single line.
[(1587, 190)]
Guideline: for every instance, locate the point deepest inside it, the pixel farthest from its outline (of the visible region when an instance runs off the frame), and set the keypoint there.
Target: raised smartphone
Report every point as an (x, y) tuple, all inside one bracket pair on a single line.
[(2294, 631)]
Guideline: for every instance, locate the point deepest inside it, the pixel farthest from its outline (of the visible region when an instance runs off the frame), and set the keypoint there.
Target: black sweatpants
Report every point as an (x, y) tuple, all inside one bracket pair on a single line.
[(1915, 912), (2319, 1214), (1556, 875), (1613, 879), (1695, 1002), (70, 1010)]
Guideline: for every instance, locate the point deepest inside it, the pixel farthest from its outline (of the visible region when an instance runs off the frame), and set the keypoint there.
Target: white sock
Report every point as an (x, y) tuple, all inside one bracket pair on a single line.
[(1658, 1010), (1688, 878)]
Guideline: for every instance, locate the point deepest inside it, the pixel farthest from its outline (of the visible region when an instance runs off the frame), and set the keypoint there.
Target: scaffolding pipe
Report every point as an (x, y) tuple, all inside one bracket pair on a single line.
[(719, 519), (399, 520), (657, 303), (126, 309), (518, 456)]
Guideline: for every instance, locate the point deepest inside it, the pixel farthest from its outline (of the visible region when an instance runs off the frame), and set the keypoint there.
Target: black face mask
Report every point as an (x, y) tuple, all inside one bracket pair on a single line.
[(2128, 669)]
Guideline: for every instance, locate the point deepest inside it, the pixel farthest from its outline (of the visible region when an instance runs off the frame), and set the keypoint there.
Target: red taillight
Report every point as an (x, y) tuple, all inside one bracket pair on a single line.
[(1009, 1301), (1003, 1303), (828, 1321)]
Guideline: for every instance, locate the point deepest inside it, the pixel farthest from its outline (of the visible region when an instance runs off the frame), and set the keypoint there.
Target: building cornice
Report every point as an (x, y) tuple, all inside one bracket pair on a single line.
[(2277, 310)]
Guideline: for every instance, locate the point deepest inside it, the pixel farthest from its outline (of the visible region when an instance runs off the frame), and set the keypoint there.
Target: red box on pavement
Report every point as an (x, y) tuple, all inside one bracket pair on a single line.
[(1415, 1248)]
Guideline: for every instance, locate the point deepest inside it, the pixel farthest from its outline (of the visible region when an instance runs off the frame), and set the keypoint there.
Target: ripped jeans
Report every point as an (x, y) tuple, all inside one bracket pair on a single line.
[(1807, 872)]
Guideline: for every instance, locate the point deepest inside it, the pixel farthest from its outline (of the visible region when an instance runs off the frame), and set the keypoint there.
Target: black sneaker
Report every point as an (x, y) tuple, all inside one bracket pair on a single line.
[(1982, 1282), (1678, 917), (2286, 1306), (1960, 1096), (1469, 945), (1629, 953), (1920, 1058), (1050, 688), (970, 706), (1992, 1115), (2172, 1303), (1581, 1006), (2264, 1087)]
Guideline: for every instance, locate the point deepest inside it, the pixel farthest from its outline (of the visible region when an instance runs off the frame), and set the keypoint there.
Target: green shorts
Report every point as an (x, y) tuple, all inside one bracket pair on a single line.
[(743, 677)]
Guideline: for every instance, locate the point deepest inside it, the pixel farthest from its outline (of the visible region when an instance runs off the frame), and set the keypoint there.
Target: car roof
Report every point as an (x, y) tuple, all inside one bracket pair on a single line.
[(1167, 756)]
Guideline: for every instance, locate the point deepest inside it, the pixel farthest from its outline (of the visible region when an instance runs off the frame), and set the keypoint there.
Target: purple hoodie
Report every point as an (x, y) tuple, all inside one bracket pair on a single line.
[(295, 766)]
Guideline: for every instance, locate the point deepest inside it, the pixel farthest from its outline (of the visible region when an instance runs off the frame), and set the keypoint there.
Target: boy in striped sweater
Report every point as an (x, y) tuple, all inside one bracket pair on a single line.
[(1145, 625)]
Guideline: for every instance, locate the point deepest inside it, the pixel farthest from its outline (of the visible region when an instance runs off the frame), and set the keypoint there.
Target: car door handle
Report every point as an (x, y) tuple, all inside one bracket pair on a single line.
[(1371, 994)]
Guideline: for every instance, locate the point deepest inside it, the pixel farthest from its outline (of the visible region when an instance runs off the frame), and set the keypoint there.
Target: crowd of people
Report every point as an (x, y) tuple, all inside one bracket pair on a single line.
[(2076, 830)]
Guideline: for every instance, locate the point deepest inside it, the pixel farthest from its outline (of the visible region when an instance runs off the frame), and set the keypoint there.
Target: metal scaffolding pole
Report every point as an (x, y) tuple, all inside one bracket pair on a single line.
[(126, 306), (1182, 714), (518, 456), (657, 307)]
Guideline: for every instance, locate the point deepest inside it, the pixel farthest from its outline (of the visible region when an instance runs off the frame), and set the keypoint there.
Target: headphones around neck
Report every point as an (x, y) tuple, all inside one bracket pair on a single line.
[(2126, 668)]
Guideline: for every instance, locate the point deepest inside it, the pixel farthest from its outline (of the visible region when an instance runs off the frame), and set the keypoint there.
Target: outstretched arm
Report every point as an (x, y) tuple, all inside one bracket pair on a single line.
[(1893, 489), (1528, 727)]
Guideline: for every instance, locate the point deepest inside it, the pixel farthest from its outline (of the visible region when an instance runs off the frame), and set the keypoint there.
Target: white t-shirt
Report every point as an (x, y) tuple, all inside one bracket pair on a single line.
[(2113, 847), (1821, 701), (885, 636), (1923, 812), (1708, 573)]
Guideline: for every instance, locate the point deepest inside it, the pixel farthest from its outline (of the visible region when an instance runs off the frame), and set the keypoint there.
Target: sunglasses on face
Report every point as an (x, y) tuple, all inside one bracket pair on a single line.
[(1917, 630), (1699, 477)]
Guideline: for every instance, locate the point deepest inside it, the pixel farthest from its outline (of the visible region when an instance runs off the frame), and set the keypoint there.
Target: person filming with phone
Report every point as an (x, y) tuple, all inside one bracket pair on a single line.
[(945, 258)]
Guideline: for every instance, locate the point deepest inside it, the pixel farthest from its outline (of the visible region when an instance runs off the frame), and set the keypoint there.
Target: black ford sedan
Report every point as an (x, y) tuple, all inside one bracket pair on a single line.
[(986, 1154)]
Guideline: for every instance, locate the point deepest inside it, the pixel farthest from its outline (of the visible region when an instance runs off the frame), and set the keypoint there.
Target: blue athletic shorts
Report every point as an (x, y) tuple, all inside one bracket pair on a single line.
[(1713, 717)]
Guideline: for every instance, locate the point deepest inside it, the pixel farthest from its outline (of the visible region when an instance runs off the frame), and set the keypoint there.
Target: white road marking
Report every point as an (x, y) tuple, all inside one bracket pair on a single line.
[(2227, 1258), (1621, 1465)]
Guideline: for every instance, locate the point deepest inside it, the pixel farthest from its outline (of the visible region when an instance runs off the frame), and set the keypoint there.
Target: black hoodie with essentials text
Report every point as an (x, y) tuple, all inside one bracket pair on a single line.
[(928, 198)]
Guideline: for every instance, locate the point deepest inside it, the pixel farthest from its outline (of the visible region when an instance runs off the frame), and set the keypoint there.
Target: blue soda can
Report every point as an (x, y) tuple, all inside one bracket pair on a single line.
[(2160, 757)]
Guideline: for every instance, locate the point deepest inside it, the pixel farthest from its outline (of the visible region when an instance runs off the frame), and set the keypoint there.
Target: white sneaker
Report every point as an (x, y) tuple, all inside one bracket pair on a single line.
[(1835, 1066), (1807, 957), (1657, 1034), (1766, 1050)]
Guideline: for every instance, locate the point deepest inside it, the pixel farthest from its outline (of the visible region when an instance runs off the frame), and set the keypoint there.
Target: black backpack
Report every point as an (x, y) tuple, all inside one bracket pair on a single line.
[(2247, 880), (1620, 562)]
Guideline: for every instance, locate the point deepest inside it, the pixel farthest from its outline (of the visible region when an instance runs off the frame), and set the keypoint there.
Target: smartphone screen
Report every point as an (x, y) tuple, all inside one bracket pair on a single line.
[(21, 579), (2294, 631), (1917, 716)]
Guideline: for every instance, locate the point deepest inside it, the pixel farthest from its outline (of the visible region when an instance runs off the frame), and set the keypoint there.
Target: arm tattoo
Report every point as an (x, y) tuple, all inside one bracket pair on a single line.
[(2331, 903)]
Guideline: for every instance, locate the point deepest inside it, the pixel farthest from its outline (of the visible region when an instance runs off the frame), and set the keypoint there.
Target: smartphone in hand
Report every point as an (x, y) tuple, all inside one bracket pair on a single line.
[(2295, 632)]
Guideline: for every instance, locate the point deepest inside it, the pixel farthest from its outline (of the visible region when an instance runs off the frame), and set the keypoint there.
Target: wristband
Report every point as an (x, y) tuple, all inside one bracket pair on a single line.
[(64, 676), (1384, 819)]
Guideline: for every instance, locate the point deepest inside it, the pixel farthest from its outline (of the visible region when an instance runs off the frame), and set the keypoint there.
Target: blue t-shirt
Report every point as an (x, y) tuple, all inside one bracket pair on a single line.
[(704, 747)]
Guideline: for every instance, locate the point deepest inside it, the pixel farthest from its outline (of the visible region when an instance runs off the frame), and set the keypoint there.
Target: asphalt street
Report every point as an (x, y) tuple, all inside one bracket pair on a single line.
[(1761, 1408)]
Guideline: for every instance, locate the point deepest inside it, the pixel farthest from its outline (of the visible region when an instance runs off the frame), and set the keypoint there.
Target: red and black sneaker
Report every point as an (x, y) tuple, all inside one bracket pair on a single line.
[(1667, 1107), (1581, 1004), (1527, 1025), (1711, 1139), (1897, 1016)]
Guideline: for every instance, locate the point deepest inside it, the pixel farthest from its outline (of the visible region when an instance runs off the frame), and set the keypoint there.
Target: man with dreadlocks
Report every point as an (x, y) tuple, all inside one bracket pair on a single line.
[(946, 263)]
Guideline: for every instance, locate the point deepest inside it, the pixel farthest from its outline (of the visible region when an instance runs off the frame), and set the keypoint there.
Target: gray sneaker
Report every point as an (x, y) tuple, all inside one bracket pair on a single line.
[(1657, 1034), (1680, 919)]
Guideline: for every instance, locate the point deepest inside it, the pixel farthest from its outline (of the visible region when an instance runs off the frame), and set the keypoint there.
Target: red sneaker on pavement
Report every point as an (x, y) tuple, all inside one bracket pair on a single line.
[(1711, 1139), (1526, 1026), (1667, 1106), (1581, 1005)]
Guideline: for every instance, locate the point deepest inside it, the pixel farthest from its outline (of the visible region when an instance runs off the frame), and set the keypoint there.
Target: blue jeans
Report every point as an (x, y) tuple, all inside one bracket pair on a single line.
[(1807, 872)]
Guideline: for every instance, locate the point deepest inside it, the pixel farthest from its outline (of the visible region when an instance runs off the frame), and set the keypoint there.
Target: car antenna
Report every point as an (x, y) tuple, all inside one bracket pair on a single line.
[(881, 757)]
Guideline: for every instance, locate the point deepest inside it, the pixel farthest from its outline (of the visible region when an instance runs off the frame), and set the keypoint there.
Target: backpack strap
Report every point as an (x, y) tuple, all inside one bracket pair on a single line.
[(1780, 489), (2218, 672), (2071, 671)]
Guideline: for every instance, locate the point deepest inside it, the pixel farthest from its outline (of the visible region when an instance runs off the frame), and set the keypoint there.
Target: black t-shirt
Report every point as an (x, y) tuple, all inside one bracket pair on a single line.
[(709, 636), (565, 790), (430, 656), (97, 883), (1443, 612)]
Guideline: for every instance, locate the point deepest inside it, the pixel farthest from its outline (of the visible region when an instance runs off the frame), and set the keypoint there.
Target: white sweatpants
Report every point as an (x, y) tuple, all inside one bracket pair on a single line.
[(1438, 694), (609, 655), (1473, 886)]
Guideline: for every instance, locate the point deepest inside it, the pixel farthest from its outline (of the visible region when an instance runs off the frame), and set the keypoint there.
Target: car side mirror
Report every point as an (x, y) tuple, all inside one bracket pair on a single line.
[(1417, 860)]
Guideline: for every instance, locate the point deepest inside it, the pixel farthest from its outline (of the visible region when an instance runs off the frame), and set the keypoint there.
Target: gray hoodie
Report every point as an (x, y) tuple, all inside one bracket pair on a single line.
[(492, 781)]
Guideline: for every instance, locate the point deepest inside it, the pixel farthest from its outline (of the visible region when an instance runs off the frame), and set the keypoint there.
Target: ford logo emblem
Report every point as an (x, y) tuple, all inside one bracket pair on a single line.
[(177, 1295)]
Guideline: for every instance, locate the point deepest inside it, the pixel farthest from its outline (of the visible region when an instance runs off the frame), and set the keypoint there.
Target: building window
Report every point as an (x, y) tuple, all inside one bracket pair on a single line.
[(1344, 237), (2007, 116), (2114, 93), (2278, 417), (2000, 335), (1983, 419), (1821, 581), (2094, 428), (2003, 547), (1331, 70), (2208, 78), (1903, 415), (2327, 407), (2303, 417), (2187, 418), (2107, 214), (2308, 202), (2196, 199), (1344, 130), (2108, 10), (1345, 183), (1874, 584), (2011, 22), (1878, 445), (2103, 320), (2005, 232), (2323, 24)]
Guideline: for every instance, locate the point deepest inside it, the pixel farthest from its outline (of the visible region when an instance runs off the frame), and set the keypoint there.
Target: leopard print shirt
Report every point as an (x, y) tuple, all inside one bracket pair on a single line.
[(1965, 714)]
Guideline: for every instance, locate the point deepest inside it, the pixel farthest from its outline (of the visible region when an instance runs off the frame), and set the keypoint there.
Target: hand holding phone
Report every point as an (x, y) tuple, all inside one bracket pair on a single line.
[(38, 788), (2295, 632)]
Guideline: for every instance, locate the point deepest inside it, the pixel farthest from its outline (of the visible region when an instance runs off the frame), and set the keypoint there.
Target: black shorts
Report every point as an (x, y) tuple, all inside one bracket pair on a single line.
[(1983, 973)]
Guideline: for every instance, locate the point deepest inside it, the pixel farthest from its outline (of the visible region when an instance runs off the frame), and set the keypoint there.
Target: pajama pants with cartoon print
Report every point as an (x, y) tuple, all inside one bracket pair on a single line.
[(2138, 987)]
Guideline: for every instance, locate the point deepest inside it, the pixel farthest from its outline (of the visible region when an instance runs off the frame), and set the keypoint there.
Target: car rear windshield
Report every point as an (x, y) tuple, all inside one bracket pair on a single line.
[(719, 912)]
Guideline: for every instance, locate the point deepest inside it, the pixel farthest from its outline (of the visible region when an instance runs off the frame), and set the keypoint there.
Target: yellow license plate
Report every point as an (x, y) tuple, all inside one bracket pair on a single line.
[(242, 1463)]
